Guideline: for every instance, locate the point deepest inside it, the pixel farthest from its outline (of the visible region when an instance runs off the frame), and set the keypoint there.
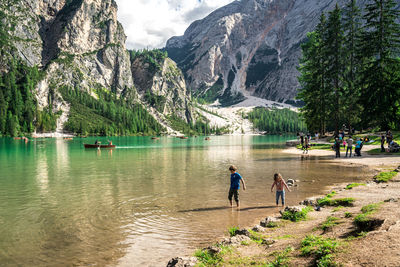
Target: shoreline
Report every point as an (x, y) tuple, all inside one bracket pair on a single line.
[(248, 252), (375, 162)]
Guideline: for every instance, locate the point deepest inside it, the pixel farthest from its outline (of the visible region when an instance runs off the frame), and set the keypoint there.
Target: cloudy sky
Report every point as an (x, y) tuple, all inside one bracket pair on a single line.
[(150, 23)]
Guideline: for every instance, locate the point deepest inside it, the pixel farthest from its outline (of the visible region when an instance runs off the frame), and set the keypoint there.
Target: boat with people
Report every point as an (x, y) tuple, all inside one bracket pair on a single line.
[(98, 146)]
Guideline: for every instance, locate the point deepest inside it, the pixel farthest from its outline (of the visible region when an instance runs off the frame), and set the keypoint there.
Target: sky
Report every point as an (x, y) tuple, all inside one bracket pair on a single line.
[(150, 23)]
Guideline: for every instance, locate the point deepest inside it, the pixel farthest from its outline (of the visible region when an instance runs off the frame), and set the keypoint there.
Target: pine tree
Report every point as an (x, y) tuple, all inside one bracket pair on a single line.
[(352, 33), (334, 56), (3, 111), (313, 65), (380, 44)]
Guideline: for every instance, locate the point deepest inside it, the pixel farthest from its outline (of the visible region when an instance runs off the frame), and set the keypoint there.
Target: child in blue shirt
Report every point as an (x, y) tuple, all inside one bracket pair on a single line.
[(235, 185)]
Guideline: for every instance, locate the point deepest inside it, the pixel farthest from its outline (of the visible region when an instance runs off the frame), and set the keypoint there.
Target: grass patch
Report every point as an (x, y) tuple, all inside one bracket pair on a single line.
[(272, 225), (347, 202), (384, 177), (370, 208), (246, 261), (348, 214), (206, 258), (357, 235), (328, 201), (329, 223), (364, 221), (256, 237), (320, 147), (321, 248), (281, 258), (351, 186), (232, 230), (296, 216), (337, 208)]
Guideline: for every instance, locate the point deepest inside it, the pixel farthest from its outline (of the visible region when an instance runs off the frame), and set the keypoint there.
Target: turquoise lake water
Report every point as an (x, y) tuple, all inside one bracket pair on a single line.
[(143, 202)]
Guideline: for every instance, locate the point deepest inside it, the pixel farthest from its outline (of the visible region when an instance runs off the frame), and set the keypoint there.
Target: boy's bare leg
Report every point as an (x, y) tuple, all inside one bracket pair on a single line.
[(230, 201), (238, 205)]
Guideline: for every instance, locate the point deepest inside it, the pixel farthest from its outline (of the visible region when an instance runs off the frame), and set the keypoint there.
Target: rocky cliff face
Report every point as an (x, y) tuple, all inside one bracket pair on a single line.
[(156, 87), (78, 43), (249, 47)]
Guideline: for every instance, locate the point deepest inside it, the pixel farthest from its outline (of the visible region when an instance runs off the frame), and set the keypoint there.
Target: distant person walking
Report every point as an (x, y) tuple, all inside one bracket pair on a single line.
[(302, 139), (336, 146), (349, 146), (280, 185), (383, 143), (306, 145), (236, 178)]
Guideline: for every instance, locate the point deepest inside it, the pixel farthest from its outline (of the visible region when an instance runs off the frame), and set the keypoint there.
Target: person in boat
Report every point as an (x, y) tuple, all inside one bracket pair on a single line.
[(96, 142), (109, 142)]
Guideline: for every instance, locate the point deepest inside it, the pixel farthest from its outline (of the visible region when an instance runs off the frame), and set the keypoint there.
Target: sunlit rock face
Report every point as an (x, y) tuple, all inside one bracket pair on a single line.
[(78, 44), (249, 47)]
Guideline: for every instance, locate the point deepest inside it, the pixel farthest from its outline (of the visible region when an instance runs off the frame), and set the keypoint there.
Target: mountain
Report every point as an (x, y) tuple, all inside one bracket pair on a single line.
[(80, 45), (249, 47)]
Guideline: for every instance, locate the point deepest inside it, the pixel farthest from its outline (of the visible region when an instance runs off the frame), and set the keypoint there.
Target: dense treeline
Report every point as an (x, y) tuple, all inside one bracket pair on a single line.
[(154, 58), (107, 115), (350, 69), (19, 113), (199, 127), (276, 121)]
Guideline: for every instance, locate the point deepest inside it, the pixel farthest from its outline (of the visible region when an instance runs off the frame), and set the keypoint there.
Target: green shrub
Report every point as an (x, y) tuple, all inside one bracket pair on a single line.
[(350, 186), (296, 216), (384, 177), (348, 214)]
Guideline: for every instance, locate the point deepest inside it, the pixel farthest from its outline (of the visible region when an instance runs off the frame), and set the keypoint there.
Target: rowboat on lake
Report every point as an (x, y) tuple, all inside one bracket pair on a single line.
[(98, 146)]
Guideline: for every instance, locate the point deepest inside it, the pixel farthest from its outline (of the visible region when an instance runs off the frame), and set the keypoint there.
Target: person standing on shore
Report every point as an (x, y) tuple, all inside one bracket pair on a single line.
[(302, 140), (280, 185), (358, 147), (236, 178), (306, 145), (389, 137), (336, 146), (349, 146), (383, 143)]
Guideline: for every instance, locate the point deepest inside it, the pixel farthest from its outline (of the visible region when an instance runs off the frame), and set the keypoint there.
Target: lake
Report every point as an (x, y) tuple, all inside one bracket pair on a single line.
[(145, 201)]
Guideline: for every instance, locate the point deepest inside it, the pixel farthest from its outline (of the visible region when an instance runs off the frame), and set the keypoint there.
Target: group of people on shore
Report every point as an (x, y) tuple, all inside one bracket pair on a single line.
[(359, 142), (349, 142), (392, 145)]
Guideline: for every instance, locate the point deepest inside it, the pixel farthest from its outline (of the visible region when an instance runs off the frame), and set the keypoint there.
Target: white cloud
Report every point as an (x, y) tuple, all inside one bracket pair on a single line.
[(150, 23)]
